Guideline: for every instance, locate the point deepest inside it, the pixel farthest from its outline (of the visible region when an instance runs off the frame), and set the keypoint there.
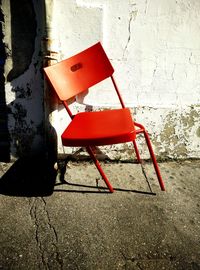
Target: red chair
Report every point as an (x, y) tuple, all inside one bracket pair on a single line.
[(76, 74)]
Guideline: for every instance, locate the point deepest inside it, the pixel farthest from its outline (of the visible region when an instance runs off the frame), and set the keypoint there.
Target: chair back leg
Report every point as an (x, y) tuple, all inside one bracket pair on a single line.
[(157, 170), (137, 152)]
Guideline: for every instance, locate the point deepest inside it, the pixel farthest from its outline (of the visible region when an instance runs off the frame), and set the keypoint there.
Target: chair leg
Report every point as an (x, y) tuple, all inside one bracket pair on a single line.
[(97, 164), (137, 152), (154, 161)]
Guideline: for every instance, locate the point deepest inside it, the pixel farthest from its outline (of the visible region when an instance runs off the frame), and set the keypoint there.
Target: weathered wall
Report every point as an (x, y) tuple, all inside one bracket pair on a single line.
[(154, 46), (23, 28)]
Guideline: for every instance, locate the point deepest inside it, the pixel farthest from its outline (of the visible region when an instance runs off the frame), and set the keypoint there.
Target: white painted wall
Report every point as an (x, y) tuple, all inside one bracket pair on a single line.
[(154, 46)]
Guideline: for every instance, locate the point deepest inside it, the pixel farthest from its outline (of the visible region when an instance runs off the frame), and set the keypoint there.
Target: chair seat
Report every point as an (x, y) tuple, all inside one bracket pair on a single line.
[(100, 128)]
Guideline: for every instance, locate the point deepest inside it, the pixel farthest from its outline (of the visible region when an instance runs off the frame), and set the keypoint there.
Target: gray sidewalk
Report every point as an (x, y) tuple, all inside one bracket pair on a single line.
[(79, 226)]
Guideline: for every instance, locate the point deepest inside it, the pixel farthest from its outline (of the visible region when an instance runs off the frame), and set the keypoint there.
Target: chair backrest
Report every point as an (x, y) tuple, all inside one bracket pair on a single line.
[(79, 72)]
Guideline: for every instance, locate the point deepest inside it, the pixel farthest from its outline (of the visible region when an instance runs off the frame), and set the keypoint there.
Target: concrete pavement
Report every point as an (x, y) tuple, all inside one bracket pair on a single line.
[(47, 225)]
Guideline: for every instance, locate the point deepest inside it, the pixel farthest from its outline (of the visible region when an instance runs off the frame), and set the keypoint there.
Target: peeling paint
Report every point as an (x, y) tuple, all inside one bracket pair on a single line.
[(198, 132), (177, 136), (23, 92), (22, 132), (190, 118)]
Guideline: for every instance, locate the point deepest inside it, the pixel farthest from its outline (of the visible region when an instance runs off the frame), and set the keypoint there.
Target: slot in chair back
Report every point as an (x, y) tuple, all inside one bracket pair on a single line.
[(78, 73)]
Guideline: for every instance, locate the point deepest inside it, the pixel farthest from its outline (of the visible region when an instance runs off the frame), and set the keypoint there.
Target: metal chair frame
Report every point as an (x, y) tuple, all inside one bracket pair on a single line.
[(75, 64)]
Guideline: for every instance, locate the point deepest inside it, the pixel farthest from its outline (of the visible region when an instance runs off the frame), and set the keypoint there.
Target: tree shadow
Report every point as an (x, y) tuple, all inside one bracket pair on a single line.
[(33, 173), (29, 176)]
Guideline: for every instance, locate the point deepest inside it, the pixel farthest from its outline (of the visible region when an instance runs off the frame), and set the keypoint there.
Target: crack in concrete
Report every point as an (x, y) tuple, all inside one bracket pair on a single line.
[(51, 227), (33, 214), (45, 235), (155, 68), (132, 15), (146, 6), (173, 71), (136, 261), (126, 260)]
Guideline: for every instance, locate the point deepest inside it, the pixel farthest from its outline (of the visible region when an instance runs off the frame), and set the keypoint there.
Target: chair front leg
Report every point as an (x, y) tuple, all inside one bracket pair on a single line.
[(97, 164)]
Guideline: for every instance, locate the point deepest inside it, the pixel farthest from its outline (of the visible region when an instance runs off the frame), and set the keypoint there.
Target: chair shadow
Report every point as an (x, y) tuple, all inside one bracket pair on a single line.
[(62, 164), (29, 176), (96, 189)]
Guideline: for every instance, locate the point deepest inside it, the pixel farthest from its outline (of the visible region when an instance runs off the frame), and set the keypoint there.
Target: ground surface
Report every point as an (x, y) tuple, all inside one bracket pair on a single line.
[(80, 226)]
